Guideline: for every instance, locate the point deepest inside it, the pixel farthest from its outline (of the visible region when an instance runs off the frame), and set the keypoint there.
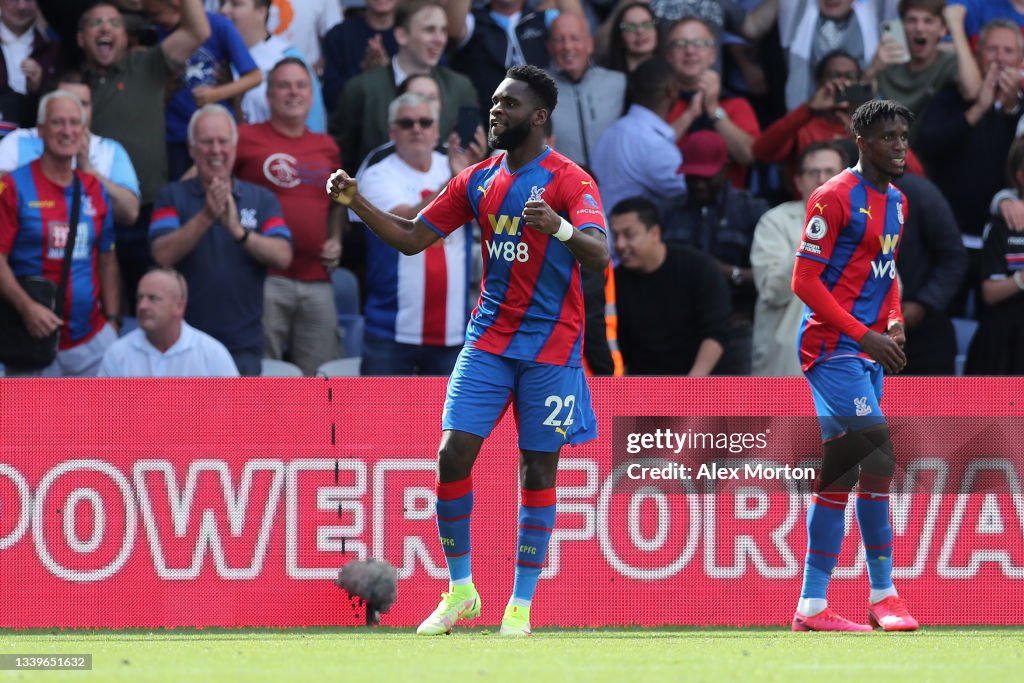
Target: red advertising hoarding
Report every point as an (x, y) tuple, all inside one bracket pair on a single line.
[(162, 503)]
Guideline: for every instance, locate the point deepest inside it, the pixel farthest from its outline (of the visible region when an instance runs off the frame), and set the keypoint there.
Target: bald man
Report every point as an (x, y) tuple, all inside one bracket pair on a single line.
[(164, 345), (590, 97)]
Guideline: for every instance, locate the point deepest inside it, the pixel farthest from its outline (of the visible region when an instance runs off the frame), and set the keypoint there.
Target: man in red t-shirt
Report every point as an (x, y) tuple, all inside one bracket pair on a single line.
[(702, 104), (282, 155)]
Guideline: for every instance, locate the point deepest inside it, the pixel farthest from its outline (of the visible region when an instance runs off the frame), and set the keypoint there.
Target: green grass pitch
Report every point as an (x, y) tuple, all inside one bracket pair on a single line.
[(619, 655)]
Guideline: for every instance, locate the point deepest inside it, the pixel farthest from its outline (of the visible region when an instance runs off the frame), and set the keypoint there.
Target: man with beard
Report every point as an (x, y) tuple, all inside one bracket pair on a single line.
[(524, 337), (853, 331)]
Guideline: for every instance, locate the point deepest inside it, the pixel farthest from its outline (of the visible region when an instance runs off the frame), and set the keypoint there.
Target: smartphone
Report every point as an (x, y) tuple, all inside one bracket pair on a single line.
[(856, 94), (894, 29), (469, 120)]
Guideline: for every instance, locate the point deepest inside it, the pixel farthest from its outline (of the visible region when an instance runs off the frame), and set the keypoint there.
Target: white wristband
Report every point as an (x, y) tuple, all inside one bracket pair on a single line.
[(564, 232), (1018, 281)]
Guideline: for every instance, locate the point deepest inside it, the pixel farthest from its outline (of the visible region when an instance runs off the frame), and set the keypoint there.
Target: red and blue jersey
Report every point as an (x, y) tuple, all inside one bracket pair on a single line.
[(846, 266), (531, 299), (34, 232)]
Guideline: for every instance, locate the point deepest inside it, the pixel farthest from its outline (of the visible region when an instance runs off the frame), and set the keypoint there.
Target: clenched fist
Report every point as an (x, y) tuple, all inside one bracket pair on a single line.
[(341, 187)]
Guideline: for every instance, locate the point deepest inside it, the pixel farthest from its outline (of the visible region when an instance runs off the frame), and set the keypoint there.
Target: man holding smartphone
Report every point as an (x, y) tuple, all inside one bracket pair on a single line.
[(910, 68)]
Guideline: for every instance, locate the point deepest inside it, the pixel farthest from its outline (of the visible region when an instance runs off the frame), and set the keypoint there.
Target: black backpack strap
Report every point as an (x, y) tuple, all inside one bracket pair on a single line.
[(69, 248)]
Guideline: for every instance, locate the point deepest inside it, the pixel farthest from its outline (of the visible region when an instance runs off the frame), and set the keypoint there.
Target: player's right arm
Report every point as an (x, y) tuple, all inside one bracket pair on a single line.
[(409, 236)]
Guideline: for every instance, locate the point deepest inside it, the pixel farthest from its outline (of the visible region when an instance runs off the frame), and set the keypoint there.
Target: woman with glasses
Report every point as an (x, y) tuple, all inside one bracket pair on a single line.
[(634, 36)]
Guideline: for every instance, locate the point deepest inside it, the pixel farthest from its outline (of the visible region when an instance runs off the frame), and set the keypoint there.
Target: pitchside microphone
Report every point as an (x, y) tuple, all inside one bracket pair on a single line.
[(373, 582)]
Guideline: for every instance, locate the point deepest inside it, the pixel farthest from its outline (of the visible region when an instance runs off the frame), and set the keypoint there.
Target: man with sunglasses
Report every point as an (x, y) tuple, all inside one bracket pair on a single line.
[(417, 306)]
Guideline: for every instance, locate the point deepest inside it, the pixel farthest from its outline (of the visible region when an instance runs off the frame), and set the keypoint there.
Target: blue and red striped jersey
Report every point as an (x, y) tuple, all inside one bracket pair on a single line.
[(852, 234), (34, 232), (531, 299)]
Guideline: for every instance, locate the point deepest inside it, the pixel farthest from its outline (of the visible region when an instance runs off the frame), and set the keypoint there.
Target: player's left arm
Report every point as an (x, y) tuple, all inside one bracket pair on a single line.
[(589, 245), (575, 194)]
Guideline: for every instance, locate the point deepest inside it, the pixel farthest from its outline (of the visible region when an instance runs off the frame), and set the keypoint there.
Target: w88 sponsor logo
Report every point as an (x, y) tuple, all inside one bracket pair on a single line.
[(508, 250)]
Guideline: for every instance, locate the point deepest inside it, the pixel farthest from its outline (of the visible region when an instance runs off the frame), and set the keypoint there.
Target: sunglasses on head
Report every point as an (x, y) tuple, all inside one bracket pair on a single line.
[(407, 124)]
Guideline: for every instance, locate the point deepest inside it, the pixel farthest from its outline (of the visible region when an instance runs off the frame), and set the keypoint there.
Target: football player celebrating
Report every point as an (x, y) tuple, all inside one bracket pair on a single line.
[(541, 219)]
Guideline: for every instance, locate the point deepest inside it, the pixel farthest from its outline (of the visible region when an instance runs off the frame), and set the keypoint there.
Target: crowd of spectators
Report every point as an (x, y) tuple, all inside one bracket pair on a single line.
[(199, 135)]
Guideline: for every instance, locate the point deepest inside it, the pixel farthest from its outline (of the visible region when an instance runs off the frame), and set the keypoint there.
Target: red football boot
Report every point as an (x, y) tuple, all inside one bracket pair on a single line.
[(891, 615), (827, 620)]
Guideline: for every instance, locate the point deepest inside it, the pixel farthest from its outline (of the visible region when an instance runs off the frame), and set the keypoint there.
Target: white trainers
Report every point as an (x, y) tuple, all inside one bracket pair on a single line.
[(459, 604), (516, 621)]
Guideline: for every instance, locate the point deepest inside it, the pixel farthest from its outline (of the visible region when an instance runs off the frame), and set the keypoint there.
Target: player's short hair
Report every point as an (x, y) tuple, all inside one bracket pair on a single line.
[(874, 111), (410, 99), (539, 83), (408, 8), (930, 6), (642, 207), (647, 81), (58, 95), (211, 109), (1015, 162), (819, 70), (823, 146), (1000, 23)]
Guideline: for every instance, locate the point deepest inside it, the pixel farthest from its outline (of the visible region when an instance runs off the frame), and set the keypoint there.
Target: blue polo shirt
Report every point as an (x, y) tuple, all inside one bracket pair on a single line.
[(225, 297)]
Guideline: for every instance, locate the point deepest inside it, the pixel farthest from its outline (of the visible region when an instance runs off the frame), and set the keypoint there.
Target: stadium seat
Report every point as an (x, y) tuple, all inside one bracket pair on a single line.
[(350, 322), (965, 329), (342, 367), (279, 368)]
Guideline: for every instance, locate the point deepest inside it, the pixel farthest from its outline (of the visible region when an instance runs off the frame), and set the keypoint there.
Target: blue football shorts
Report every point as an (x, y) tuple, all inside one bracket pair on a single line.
[(846, 392), (552, 402)]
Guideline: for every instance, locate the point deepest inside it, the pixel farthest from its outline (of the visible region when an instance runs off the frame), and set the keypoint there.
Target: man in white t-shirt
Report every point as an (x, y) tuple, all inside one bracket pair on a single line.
[(164, 345), (417, 307)]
